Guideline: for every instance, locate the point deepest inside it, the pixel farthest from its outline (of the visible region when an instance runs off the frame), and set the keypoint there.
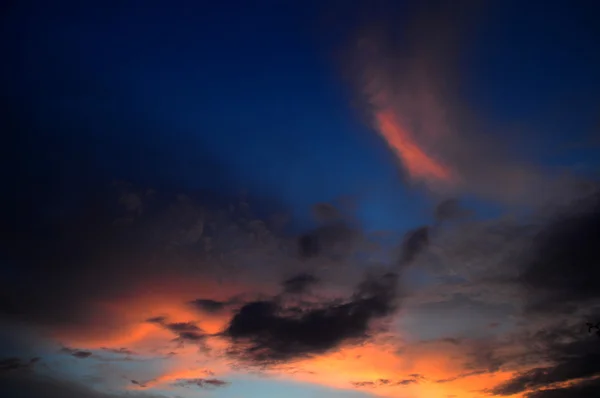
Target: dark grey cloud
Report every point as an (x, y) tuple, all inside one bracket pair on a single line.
[(542, 268), (185, 331), (584, 389), (210, 306), (81, 354), (138, 383), (13, 364), (277, 330), (362, 384), (414, 379), (461, 376), (541, 377), (157, 319), (200, 382), (299, 283), (571, 355), (122, 350), (561, 271), (332, 238), (325, 212), (414, 242), (450, 209), (568, 370), (268, 331), (545, 257), (308, 245)]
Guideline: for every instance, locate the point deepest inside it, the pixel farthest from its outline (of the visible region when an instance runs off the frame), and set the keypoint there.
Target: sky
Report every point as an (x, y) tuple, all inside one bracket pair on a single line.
[(304, 198)]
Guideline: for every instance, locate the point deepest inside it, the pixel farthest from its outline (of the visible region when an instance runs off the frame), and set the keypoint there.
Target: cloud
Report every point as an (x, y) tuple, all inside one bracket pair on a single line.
[(414, 379), (268, 331), (13, 364), (561, 270), (450, 209), (543, 265), (408, 81), (572, 359), (299, 283), (84, 260), (325, 213), (330, 239), (31, 386), (81, 354), (202, 383), (414, 242), (585, 389), (138, 383), (185, 331), (122, 350), (275, 330), (210, 306)]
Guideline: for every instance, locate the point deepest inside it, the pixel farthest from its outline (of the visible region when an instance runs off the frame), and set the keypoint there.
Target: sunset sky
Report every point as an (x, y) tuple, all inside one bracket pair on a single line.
[(249, 199)]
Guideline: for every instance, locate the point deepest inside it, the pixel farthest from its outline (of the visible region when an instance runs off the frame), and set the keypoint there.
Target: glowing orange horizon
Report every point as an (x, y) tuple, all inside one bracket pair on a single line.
[(339, 369)]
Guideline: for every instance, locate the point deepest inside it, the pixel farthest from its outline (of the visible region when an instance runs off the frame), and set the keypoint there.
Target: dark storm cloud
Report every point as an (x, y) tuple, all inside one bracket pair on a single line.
[(299, 283), (562, 271), (268, 331), (202, 383)]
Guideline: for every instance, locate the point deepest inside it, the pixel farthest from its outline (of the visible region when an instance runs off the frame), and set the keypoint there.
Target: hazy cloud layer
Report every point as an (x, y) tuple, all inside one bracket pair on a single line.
[(408, 81)]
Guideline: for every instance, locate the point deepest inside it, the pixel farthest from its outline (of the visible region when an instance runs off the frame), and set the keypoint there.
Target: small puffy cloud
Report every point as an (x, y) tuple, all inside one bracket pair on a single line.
[(199, 382)]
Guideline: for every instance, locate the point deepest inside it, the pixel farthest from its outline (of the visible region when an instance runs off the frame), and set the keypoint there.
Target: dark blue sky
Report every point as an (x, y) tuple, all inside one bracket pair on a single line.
[(232, 96)]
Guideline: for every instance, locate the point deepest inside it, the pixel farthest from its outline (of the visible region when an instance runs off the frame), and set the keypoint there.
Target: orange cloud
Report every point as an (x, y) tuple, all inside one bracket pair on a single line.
[(391, 371), (419, 165), (168, 297)]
